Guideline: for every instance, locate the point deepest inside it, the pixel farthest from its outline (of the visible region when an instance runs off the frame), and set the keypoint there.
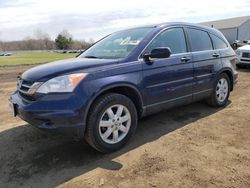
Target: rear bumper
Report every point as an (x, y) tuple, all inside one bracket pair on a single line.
[(55, 113)]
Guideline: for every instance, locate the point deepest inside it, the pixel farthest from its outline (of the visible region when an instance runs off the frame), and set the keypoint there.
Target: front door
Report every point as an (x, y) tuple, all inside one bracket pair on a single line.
[(168, 81)]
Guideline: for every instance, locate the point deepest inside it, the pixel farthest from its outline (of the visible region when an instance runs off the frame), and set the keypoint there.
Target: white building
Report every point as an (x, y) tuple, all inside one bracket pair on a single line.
[(233, 28)]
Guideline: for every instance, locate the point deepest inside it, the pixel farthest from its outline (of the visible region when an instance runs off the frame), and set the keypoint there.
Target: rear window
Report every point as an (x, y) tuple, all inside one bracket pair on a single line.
[(199, 40), (218, 43)]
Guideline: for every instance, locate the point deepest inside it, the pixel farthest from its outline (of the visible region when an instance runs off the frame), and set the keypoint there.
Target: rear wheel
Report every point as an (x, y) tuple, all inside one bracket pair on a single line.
[(221, 91), (112, 121)]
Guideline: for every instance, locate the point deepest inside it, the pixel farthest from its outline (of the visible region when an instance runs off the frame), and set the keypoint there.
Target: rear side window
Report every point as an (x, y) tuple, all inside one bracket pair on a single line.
[(173, 38), (218, 43), (199, 40)]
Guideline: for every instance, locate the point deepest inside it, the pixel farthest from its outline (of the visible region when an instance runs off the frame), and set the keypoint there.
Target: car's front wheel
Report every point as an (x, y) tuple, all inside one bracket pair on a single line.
[(111, 122), (221, 91)]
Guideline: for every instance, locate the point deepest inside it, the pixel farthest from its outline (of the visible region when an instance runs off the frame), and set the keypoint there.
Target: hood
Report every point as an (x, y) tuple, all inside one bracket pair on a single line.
[(50, 70), (246, 47)]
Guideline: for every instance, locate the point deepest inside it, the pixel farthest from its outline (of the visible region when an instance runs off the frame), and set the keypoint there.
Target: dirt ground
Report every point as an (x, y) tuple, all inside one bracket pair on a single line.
[(192, 146)]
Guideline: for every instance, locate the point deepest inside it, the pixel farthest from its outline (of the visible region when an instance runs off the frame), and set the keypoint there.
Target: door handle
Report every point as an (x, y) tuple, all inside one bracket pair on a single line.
[(186, 59), (216, 55)]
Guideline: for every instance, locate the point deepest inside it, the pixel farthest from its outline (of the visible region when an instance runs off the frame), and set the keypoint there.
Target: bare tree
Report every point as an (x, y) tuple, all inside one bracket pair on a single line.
[(42, 41), (40, 35)]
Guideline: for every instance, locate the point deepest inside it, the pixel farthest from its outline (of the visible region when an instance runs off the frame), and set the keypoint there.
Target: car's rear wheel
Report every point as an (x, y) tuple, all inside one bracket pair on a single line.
[(221, 91), (111, 122)]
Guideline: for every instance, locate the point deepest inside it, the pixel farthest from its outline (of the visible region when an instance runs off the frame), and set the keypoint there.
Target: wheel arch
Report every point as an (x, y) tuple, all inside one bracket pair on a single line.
[(229, 73), (125, 89)]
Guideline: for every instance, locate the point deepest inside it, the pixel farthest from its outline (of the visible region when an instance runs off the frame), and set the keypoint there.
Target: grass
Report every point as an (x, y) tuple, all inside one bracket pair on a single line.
[(27, 58)]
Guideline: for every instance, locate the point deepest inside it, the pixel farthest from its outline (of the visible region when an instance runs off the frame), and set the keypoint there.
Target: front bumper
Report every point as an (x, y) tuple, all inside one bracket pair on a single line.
[(244, 61), (61, 112)]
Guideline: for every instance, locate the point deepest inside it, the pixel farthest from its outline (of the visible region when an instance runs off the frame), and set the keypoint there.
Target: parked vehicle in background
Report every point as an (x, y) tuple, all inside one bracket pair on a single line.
[(127, 75), (68, 51), (6, 54), (243, 55), (239, 43)]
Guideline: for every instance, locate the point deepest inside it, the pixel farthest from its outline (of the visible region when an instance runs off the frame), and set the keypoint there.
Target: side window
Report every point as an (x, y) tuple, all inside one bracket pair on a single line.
[(218, 43), (199, 40), (173, 38)]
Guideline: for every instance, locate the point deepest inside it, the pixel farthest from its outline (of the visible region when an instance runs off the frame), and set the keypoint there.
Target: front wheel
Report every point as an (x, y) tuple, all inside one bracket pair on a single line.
[(112, 121), (221, 91)]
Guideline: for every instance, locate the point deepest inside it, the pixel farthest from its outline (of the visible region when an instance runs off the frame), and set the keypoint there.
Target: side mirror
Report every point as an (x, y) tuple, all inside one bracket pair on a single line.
[(157, 53)]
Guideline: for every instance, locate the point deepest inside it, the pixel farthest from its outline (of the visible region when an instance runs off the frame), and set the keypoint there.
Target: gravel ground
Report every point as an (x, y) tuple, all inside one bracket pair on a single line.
[(192, 146)]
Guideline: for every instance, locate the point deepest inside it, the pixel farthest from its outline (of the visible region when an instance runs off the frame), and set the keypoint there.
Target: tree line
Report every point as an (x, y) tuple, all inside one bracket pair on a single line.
[(42, 41)]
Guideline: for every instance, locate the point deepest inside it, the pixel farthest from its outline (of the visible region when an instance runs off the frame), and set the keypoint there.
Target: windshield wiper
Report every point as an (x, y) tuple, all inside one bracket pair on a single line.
[(91, 56)]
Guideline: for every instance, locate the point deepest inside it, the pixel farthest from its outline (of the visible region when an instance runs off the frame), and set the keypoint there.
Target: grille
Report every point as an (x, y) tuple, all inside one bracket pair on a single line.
[(246, 55), (245, 59), (27, 89), (24, 86)]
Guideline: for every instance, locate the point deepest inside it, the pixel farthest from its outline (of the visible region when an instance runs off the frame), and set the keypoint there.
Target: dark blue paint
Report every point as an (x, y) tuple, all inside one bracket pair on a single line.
[(158, 85)]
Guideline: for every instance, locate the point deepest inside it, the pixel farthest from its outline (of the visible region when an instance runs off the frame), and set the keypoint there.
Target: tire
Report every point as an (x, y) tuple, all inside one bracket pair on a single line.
[(219, 98), (105, 119), (235, 46)]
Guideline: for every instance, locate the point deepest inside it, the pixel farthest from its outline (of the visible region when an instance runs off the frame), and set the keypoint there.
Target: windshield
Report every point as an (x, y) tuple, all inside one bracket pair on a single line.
[(117, 45)]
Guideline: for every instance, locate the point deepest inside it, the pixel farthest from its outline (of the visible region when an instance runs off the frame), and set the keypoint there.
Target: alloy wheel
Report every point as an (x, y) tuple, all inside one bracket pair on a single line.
[(222, 90), (114, 124)]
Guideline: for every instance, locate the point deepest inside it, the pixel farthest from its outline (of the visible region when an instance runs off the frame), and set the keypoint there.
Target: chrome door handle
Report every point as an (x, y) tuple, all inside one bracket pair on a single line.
[(216, 55), (186, 59)]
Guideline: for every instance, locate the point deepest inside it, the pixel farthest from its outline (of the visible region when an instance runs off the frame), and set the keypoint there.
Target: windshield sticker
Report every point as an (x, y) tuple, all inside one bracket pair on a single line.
[(128, 41)]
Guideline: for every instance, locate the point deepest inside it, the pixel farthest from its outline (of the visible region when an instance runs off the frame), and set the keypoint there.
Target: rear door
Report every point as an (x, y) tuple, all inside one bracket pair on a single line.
[(168, 80), (206, 61), (220, 45)]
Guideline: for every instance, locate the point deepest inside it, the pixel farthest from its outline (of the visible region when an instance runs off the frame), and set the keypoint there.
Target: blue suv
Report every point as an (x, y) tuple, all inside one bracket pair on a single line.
[(127, 75)]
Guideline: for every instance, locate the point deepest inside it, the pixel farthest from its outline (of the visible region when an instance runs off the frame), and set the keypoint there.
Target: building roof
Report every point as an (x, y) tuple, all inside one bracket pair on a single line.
[(227, 23)]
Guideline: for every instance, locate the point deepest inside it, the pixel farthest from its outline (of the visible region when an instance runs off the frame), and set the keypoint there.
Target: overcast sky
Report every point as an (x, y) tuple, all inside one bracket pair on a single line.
[(86, 19)]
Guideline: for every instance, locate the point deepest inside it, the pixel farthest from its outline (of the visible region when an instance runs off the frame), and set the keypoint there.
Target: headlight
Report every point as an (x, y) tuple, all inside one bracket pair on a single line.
[(66, 83), (238, 52)]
